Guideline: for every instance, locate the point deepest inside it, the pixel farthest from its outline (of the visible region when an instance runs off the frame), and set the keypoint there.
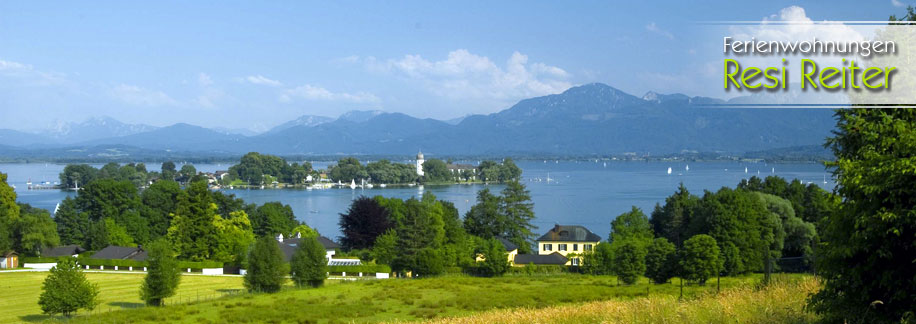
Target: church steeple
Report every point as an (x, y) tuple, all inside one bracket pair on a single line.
[(420, 163)]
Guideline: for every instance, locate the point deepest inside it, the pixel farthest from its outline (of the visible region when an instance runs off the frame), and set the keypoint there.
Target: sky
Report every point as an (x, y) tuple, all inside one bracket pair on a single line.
[(255, 64)]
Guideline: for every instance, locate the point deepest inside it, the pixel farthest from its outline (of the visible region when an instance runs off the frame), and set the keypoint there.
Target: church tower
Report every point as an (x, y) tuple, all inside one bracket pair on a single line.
[(420, 164)]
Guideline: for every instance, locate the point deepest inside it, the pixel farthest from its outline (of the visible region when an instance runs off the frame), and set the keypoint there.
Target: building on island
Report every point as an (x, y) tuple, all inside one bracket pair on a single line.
[(420, 164)]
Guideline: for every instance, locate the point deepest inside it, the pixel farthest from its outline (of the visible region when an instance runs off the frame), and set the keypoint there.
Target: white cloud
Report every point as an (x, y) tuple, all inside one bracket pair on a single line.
[(897, 3), (652, 27), (204, 80), (310, 92), (463, 75), (138, 96), (26, 75), (261, 80)]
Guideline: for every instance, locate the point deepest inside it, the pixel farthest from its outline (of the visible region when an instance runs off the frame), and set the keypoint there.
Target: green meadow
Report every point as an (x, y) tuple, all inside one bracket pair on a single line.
[(19, 292), (366, 301)]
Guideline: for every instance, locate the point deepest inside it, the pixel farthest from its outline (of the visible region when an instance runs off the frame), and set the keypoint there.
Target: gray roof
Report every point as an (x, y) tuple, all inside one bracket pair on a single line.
[(289, 246), (66, 250), (570, 233), (508, 245), (112, 252), (553, 258)]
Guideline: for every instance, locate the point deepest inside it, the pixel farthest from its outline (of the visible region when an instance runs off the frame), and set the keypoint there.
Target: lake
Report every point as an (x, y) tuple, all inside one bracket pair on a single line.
[(585, 193)]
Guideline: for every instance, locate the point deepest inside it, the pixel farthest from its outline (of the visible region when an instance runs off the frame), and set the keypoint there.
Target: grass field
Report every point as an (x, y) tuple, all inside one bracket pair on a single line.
[(408, 300), (19, 292), (780, 302)]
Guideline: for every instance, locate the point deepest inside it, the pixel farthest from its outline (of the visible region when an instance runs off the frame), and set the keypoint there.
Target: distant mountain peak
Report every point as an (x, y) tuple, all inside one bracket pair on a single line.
[(359, 116), (304, 120)]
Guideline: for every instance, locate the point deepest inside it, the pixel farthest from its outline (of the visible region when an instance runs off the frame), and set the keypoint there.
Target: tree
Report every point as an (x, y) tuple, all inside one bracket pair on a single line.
[(118, 200), (274, 218), (421, 235), (75, 175), (309, 263), (632, 225), (304, 231), (363, 223), (160, 202), (168, 171), (484, 219), (518, 212), (700, 259), (9, 213), (72, 224), (192, 230), (233, 237), (162, 274), (187, 172), (266, 270), (435, 170), (34, 231), (671, 220), (496, 260), (348, 169), (629, 260), (661, 261), (865, 257), (66, 290), (116, 234), (600, 261), (385, 248)]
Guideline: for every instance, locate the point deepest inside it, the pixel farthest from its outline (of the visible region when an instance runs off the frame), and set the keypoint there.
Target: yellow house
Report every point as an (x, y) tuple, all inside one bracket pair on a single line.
[(570, 241)]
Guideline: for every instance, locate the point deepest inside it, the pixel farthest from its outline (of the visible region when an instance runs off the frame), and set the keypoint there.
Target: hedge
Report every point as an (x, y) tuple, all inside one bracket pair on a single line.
[(365, 268), (122, 263)]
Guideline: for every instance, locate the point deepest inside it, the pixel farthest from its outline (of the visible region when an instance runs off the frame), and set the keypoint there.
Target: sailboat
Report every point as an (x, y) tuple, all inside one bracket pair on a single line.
[(745, 169), (605, 164), (56, 208), (687, 167), (352, 184), (669, 170), (825, 179), (773, 171)]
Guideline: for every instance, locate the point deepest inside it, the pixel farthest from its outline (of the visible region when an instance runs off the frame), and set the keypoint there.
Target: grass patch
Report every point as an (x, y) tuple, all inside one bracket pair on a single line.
[(781, 302), (410, 300), (118, 291)]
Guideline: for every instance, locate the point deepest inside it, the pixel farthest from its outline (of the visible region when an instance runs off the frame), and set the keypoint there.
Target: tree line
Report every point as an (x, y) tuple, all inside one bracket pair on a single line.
[(425, 236), (76, 175)]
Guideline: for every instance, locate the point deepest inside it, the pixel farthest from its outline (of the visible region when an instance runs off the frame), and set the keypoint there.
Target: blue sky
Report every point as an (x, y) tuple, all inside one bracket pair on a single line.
[(257, 64)]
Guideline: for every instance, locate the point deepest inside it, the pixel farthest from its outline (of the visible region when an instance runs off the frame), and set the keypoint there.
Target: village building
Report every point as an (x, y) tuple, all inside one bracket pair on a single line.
[(9, 260)]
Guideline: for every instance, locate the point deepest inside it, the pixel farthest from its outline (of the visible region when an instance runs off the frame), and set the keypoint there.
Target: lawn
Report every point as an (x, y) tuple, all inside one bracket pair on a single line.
[(418, 299), (19, 292), (781, 302)]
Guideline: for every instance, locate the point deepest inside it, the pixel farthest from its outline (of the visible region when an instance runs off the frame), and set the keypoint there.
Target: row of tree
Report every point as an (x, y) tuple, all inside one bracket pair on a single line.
[(199, 223), (426, 236), (257, 169), (23, 228), (76, 175)]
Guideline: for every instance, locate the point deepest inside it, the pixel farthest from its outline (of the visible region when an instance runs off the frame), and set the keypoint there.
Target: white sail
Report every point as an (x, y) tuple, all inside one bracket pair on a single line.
[(352, 184), (745, 169), (687, 167), (669, 170)]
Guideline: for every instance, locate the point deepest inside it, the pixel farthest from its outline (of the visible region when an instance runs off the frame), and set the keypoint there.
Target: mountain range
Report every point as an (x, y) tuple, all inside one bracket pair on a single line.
[(588, 119)]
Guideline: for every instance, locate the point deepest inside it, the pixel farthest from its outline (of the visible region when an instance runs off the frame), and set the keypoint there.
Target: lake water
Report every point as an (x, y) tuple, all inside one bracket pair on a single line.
[(582, 193)]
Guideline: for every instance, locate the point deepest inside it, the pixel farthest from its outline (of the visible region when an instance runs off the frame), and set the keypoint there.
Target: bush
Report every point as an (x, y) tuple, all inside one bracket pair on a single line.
[(163, 275), (629, 260), (66, 290), (309, 263), (496, 261), (661, 261), (365, 268), (700, 259), (266, 269)]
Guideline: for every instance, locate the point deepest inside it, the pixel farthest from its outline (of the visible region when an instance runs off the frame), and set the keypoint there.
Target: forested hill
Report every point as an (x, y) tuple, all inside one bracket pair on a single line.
[(589, 119)]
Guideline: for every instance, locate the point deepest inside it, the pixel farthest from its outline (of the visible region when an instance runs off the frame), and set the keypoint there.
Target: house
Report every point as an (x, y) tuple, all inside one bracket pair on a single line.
[(458, 170), (112, 252), (9, 260), (570, 241), (511, 250), (71, 250), (289, 245)]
